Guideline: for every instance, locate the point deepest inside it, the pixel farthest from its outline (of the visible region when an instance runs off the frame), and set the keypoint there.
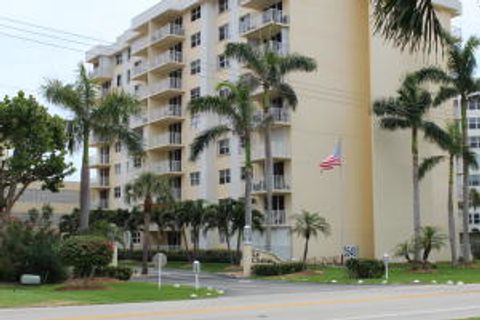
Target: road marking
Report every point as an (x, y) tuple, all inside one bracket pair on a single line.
[(270, 306), (411, 313)]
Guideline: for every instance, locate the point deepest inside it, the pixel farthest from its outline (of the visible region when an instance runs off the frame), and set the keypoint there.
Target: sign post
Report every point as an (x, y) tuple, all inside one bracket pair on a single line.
[(386, 260), (161, 261), (196, 271)]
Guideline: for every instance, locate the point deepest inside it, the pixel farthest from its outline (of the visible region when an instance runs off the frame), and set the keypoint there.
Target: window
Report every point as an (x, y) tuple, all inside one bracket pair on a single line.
[(473, 105), (243, 173), (118, 147), (223, 62), (195, 122), (223, 32), (117, 192), (224, 92), (474, 180), (196, 13), (224, 147), (136, 237), (195, 67), (137, 162), (118, 58), (196, 39), (224, 176), (474, 141), (129, 54), (195, 179), (195, 93), (476, 218), (118, 168), (119, 80), (129, 76), (222, 6), (474, 123)]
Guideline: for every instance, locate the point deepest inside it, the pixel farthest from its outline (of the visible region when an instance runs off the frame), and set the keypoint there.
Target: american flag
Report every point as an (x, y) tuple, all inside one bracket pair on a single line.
[(333, 160)]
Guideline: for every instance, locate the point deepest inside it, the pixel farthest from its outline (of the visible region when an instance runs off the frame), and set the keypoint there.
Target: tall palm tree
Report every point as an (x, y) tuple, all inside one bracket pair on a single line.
[(310, 224), (151, 190), (104, 116), (195, 212), (267, 71), (459, 81), (411, 24), (407, 111), (238, 109)]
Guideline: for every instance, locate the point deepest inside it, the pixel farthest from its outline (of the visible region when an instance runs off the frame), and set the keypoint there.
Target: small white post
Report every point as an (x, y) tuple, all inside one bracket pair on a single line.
[(196, 271), (386, 260), (159, 272)]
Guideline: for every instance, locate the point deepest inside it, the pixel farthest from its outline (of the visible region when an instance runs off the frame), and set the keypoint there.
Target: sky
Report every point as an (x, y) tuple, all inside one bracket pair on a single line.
[(25, 65)]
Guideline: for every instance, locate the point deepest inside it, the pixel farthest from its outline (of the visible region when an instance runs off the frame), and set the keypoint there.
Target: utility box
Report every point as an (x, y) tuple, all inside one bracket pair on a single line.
[(30, 280)]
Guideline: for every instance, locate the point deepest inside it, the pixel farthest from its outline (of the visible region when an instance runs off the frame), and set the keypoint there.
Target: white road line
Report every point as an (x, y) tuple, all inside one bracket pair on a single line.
[(412, 313)]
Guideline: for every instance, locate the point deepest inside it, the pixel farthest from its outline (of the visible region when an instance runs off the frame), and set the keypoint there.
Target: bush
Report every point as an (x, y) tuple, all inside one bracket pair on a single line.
[(120, 273), (86, 254), (215, 256), (365, 268), (277, 269), (29, 248)]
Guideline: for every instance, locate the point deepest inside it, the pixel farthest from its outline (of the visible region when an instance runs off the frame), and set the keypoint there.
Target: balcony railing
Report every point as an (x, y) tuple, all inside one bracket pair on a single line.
[(140, 44), (168, 30), (100, 204), (165, 58), (139, 69), (259, 20), (280, 183), (165, 112), (138, 120), (101, 181), (165, 85), (164, 167), (172, 138), (279, 217), (102, 72), (277, 114), (102, 159), (279, 150)]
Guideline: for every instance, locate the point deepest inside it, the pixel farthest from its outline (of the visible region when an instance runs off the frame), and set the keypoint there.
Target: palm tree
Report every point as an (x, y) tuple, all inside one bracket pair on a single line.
[(431, 239), (180, 220), (104, 116), (310, 224), (411, 24), (407, 111), (146, 188), (195, 212), (459, 81), (239, 110), (474, 199), (267, 70), (219, 217)]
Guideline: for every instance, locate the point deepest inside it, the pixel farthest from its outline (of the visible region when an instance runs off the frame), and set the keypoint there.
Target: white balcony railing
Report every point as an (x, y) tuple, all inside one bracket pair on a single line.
[(277, 114), (171, 138), (279, 217), (102, 181), (171, 29), (140, 44), (163, 167), (140, 68), (165, 85), (279, 150), (280, 183), (138, 120), (102, 71), (102, 159), (165, 112), (258, 20)]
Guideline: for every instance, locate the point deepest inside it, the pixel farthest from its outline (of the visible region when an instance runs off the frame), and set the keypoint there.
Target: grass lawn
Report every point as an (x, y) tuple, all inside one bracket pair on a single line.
[(14, 296), (182, 265), (399, 274)]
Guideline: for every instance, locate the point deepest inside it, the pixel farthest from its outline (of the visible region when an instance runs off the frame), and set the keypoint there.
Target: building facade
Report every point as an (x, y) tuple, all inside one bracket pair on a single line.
[(173, 52)]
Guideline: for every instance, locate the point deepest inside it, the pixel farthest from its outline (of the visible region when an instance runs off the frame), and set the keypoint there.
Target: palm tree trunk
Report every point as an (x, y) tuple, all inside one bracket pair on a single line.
[(305, 251), (416, 195), (185, 241), (451, 215), (147, 207), (268, 175), (247, 238), (239, 241), (85, 183), (465, 208)]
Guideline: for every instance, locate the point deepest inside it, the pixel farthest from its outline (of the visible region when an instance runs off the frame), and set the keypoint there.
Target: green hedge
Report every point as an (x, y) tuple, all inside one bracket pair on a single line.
[(216, 256), (365, 268), (120, 273), (277, 269)]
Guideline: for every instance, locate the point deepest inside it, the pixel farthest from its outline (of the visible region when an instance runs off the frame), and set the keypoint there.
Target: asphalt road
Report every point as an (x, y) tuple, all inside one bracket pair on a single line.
[(340, 303)]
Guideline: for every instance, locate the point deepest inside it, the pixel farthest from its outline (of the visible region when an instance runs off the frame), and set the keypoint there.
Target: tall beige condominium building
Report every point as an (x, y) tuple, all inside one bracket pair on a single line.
[(173, 52)]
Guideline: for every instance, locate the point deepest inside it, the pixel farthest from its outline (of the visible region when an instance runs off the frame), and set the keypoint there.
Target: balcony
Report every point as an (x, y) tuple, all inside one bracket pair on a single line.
[(280, 116), (169, 141), (171, 167), (140, 71), (141, 92), (264, 23), (278, 47), (102, 72), (166, 88), (280, 151), (140, 46), (166, 62), (138, 120), (166, 114), (167, 36), (279, 217), (280, 185), (102, 182), (96, 141), (100, 161), (100, 204), (257, 4)]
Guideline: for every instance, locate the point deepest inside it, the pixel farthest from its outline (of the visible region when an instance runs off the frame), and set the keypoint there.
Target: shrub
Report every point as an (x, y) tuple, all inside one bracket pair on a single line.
[(276, 269), (29, 248), (215, 256), (86, 254), (120, 273), (365, 268)]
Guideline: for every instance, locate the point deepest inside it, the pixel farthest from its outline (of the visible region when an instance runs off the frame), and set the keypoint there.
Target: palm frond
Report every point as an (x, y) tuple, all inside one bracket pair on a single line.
[(205, 138), (64, 95), (432, 74), (386, 106), (296, 62), (428, 164), (394, 123), (287, 92), (246, 53), (436, 134), (211, 104), (444, 94)]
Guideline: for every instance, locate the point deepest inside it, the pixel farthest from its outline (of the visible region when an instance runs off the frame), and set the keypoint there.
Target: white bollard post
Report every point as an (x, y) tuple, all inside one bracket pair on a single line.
[(196, 271), (386, 260), (159, 272)]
